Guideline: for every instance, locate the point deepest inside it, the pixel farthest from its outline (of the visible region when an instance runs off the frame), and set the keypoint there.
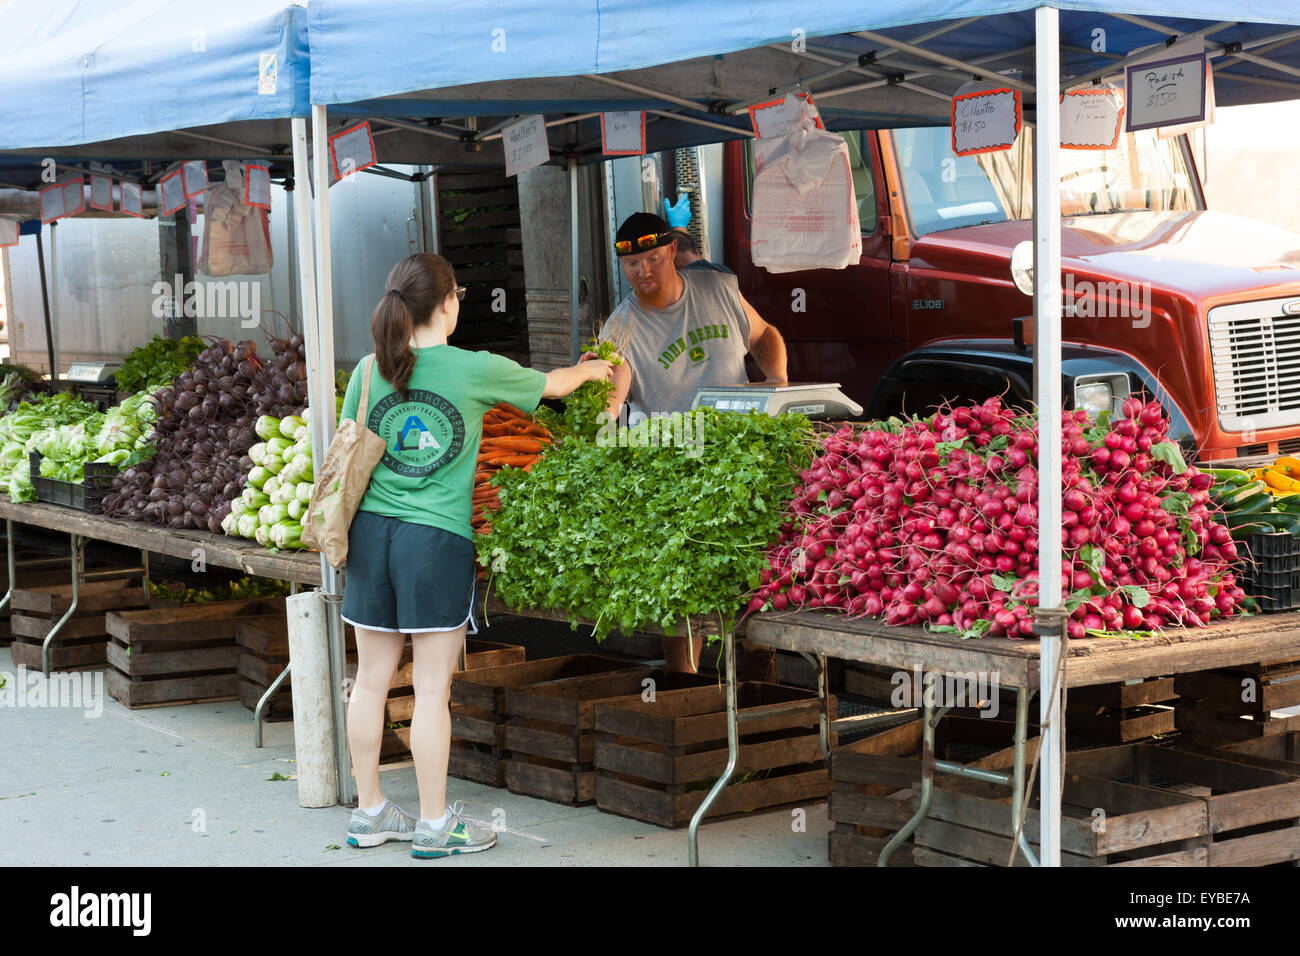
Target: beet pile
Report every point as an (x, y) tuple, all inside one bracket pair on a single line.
[(935, 522), (204, 430)]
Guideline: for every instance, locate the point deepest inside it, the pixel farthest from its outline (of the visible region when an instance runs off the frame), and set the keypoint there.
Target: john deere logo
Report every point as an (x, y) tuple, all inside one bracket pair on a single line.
[(420, 434), (697, 354)]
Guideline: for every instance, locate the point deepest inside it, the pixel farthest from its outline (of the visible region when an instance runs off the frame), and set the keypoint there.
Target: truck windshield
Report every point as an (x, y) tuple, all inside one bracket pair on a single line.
[(946, 191)]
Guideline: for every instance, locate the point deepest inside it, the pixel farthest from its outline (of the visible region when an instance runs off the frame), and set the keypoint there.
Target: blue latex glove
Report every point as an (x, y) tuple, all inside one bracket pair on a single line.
[(678, 216)]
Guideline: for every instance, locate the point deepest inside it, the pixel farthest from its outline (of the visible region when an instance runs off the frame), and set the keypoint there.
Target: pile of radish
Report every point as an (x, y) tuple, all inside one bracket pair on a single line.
[(935, 522), (203, 431)]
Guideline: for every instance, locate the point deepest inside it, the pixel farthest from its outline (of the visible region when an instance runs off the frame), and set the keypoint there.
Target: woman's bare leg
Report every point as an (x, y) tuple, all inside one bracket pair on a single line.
[(378, 653), (436, 657)]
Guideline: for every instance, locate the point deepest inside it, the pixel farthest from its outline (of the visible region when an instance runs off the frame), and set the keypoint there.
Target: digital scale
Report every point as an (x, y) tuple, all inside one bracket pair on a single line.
[(813, 399), (93, 373)]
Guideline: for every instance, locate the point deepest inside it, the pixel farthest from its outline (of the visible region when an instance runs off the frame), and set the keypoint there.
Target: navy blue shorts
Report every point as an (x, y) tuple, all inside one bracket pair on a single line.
[(407, 578)]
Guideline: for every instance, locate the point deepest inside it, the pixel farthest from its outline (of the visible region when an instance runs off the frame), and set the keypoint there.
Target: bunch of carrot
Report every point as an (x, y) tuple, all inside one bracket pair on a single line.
[(510, 437)]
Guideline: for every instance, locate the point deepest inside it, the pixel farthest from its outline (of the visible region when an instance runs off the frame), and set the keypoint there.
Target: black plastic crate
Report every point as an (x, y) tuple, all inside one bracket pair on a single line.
[(1272, 570), (96, 484)]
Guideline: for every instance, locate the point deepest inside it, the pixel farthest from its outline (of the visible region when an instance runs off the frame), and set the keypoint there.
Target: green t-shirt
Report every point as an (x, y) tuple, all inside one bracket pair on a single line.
[(431, 440)]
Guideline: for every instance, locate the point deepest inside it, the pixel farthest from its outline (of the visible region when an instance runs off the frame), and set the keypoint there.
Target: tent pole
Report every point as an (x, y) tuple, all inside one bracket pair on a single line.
[(573, 260), (305, 261), (45, 301), (1047, 339), (320, 357)]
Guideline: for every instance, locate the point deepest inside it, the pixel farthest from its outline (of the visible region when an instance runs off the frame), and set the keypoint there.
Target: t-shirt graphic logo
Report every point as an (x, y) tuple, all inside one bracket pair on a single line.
[(420, 434), (415, 436), (697, 354)]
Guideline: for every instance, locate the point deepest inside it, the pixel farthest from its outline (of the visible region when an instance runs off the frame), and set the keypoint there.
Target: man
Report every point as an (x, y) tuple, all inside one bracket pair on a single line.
[(679, 332), (688, 256)]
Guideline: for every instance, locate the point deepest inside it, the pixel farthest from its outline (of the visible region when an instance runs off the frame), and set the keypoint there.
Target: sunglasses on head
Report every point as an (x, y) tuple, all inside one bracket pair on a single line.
[(648, 241)]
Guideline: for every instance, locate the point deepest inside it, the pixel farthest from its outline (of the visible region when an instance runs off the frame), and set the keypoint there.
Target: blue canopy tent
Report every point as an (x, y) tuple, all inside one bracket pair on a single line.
[(696, 68)]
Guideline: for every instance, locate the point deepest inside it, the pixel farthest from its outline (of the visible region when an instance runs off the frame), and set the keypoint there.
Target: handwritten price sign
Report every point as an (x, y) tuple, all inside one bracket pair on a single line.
[(1165, 92), (1090, 119), (622, 133), (525, 144), (985, 121)]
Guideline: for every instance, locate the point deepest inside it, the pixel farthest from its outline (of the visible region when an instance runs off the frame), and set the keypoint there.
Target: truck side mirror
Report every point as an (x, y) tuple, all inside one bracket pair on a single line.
[(1022, 332)]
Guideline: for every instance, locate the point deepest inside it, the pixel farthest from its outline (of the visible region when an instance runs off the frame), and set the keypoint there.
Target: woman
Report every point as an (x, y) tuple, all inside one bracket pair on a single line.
[(411, 565)]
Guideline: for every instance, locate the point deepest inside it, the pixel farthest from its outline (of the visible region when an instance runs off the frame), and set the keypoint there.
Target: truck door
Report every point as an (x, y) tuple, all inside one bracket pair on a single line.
[(836, 322)]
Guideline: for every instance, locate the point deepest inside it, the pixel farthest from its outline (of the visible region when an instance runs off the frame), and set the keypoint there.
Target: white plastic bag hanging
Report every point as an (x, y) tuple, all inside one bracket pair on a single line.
[(236, 237), (805, 210)]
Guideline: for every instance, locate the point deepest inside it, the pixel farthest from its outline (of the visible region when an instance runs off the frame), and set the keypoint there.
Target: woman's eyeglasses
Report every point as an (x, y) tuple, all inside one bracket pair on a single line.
[(649, 241), (460, 291)]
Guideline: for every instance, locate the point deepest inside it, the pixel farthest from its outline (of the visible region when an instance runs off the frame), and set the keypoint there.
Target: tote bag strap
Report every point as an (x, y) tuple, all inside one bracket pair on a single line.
[(363, 406)]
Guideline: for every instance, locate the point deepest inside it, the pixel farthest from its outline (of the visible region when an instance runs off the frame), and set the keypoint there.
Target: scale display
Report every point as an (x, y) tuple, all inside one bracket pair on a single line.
[(813, 399), (94, 373)]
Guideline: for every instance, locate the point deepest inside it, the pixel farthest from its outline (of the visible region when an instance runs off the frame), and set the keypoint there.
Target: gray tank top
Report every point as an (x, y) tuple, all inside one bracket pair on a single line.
[(701, 339)]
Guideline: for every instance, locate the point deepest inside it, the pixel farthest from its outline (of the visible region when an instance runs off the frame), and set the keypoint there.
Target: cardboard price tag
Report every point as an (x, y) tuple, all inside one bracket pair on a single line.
[(352, 150), (257, 186), (131, 201), (8, 232), (52, 203), (1091, 119), (194, 173), (74, 195), (171, 193), (1168, 89), (101, 192), (775, 117), (622, 133), (525, 144), (985, 120)]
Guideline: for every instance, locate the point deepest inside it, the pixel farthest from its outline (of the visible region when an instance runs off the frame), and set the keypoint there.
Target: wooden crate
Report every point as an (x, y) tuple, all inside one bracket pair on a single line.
[(83, 640), (675, 748), (1133, 805), (1122, 713), (1228, 705), (550, 732), (478, 715), (871, 780), (28, 578), (179, 654)]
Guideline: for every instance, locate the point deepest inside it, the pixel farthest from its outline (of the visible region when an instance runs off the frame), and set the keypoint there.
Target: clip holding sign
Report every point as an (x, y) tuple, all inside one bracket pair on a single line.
[(1092, 118), (985, 119), (130, 199), (622, 133), (257, 186), (352, 150)]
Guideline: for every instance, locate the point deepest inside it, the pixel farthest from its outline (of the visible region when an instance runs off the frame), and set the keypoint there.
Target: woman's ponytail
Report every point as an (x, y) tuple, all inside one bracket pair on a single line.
[(416, 287)]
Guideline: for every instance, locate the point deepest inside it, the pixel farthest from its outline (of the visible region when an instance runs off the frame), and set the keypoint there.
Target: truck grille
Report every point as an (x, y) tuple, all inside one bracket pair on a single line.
[(1255, 348)]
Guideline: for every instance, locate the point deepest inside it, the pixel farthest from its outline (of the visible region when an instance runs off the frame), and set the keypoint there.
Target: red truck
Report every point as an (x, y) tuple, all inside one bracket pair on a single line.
[(1198, 308)]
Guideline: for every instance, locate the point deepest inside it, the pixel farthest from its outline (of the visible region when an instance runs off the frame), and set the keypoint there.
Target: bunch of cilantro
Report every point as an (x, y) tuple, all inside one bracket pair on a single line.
[(644, 529)]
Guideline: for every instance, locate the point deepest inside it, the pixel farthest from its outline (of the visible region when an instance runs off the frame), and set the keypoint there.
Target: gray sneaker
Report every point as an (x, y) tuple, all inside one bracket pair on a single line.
[(392, 823), (455, 837)]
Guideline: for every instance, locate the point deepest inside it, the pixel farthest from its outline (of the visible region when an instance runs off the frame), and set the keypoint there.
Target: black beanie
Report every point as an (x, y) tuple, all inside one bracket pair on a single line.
[(643, 224)]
